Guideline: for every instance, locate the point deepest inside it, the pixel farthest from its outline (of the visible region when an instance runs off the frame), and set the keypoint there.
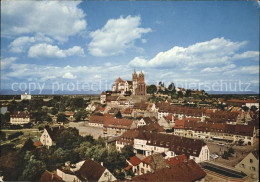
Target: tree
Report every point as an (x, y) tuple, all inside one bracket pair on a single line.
[(33, 170), (225, 155), (61, 117), (3, 136), (245, 108), (151, 89), (180, 94), (231, 150), (188, 93), (28, 145), (253, 109), (54, 111), (128, 151)]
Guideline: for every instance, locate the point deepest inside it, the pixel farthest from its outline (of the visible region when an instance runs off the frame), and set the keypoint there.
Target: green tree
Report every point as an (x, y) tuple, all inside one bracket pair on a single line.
[(180, 94), (231, 150), (253, 109), (151, 89), (54, 111), (128, 151), (245, 108), (28, 145), (188, 93), (225, 155), (33, 170), (61, 117)]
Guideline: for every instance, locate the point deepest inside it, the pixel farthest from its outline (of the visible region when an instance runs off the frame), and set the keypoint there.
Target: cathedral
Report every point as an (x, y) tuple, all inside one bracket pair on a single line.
[(136, 86)]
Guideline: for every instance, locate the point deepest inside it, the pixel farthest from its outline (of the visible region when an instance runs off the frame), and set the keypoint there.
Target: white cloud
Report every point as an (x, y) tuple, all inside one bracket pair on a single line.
[(69, 76), (116, 36), (7, 62), (20, 44), (213, 52), (47, 50), (218, 69), (57, 19), (144, 41)]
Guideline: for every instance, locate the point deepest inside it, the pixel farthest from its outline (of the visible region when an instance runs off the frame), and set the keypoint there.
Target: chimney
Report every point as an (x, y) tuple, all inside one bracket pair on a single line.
[(101, 163)]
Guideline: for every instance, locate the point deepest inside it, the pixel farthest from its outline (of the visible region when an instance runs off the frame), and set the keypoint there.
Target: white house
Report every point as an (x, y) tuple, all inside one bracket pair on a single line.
[(150, 143), (87, 170), (25, 96), (20, 118), (48, 136)]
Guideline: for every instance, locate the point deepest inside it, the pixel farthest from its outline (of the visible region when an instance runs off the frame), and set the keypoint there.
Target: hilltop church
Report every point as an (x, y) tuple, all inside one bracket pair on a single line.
[(136, 86)]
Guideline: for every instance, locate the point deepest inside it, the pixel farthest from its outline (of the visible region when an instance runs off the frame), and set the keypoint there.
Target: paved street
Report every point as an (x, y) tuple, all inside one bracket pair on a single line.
[(240, 152), (84, 129)]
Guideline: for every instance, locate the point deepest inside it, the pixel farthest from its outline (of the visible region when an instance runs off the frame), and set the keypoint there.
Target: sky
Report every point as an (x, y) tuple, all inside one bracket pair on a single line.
[(86, 46)]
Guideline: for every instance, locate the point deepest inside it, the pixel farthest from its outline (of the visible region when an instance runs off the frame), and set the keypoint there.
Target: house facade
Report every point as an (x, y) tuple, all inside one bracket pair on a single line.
[(20, 118), (250, 165), (87, 170)]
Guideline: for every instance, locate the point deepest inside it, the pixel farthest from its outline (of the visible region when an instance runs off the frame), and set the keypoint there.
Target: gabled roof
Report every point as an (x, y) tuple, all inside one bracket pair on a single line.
[(134, 160), (147, 120), (186, 171), (118, 80), (20, 114), (177, 144), (90, 171), (53, 132), (256, 154), (50, 177), (175, 160)]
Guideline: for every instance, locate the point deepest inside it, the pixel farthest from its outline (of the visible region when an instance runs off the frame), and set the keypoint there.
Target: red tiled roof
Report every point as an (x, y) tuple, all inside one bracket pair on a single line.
[(90, 171), (186, 171), (50, 177), (128, 167), (179, 124), (175, 160), (38, 144), (118, 123), (134, 160)]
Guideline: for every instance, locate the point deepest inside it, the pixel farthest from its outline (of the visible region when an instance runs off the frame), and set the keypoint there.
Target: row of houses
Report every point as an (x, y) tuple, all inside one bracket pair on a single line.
[(112, 126), (148, 143), (216, 131)]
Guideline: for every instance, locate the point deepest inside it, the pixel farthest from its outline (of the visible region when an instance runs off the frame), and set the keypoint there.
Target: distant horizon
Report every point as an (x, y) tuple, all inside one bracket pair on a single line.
[(91, 43)]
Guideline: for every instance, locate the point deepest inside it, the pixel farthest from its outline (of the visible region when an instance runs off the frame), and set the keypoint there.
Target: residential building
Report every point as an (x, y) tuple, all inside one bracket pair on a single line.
[(216, 131), (50, 177), (150, 143), (25, 96), (133, 164), (167, 122), (115, 127), (20, 118), (186, 171), (250, 165), (87, 170), (145, 121), (49, 135)]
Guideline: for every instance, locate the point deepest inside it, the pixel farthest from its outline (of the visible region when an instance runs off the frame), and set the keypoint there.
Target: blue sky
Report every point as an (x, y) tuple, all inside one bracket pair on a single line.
[(93, 43)]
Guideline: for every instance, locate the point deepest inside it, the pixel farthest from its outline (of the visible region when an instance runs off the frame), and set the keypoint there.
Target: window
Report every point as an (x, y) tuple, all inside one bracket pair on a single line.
[(242, 165), (251, 160), (106, 174), (253, 168)]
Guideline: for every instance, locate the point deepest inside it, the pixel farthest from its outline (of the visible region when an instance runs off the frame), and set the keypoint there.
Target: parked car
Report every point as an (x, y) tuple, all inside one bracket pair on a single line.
[(220, 144)]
